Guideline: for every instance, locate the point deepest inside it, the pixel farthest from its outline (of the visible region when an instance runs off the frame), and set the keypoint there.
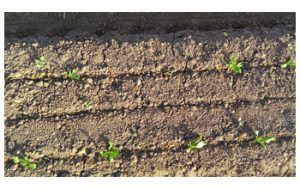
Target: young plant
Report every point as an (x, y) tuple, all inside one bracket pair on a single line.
[(187, 55), (111, 153), (263, 140), (162, 56), (72, 74), (196, 144), (234, 66), (290, 63), (123, 96), (87, 104), (139, 46), (41, 61), (24, 161)]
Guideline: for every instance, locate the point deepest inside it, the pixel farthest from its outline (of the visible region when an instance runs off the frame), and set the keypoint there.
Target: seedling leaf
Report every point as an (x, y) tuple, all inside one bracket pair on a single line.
[(290, 63), (24, 161), (87, 104), (263, 140), (234, 66), (198, 143), (32, 166), (111, 153), (72, 74), (16, 160), (39, 62)]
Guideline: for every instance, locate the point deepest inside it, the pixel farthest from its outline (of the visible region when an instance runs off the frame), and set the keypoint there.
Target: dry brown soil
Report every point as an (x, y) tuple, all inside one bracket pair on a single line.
[(151, 93)]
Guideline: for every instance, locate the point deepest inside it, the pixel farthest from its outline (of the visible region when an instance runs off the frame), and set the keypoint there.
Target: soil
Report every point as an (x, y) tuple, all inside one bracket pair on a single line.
[(151, 94)]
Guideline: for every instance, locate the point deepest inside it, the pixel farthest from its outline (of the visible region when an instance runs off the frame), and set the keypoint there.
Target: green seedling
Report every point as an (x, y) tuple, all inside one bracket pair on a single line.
[(290, 63), (263, 140), (72, 74), (162, 56), (122, 95), (187, 56), (139, 46), (111, 153), (41, 61), (24, 161), (196, 144), (234, 66), (169, 74), (87, 104)]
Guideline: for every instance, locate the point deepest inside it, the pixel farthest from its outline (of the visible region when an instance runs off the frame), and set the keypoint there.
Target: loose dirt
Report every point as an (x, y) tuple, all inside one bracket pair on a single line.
[(150, 94)]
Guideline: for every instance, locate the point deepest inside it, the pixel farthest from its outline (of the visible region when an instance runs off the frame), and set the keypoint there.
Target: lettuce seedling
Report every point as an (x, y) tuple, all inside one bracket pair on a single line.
[(111, 153), (234, 66), (263, 140), (24, 161), (41, 61), (72, 74), (289, 64), (123, 96), (196, 144), (87, 104)]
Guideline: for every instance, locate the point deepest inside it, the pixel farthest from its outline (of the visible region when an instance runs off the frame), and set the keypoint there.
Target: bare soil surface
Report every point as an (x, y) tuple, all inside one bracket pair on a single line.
[(150, 94)]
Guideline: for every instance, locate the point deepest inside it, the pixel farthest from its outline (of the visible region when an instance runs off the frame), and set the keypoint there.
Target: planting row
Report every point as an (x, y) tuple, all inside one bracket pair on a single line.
[(155, 135), (138, 54)]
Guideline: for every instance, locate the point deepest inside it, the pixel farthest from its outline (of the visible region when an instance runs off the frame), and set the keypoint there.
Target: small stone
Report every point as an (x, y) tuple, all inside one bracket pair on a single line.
[(35, 45), (46, 84), (90, 80), (11, 145), (143, 155), (14, 167), (77, 164), (49, 166), (40, 84), (139, 82), (57, 83), (58, 126)]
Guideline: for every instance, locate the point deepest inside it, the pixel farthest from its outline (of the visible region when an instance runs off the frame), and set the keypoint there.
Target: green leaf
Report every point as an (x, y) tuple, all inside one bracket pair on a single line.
[(87, 104), (266, 140), (15, 159), (104, 154), (32, 166), (24, 161), (283, 66), (40, 61), (72, 74), (234, 66), (111, 153), (110, 145), (196, 144), (290, 63), (263, 140)]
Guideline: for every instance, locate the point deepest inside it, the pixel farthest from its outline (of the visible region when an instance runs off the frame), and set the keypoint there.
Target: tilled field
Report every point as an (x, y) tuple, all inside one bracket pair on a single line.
[(151, 94)]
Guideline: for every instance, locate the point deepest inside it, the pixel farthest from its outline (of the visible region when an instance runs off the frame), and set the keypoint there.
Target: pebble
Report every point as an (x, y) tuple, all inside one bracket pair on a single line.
[(57, 83), (11, 145), (35, 45), (58, 126), (46, 84), (40, 84), (89, 80)]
